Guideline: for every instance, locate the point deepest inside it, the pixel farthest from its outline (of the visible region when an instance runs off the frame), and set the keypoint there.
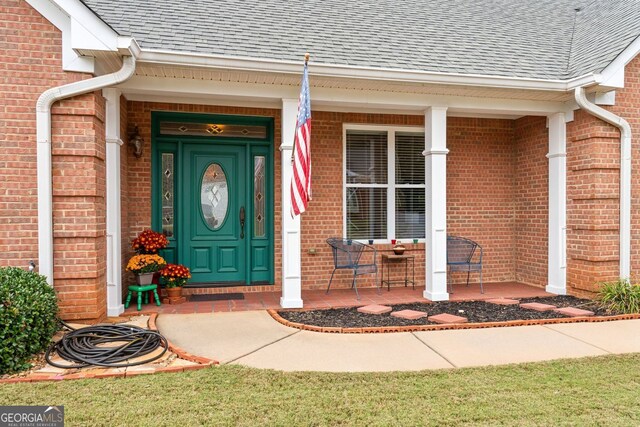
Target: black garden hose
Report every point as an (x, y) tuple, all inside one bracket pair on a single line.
[(106, 345)]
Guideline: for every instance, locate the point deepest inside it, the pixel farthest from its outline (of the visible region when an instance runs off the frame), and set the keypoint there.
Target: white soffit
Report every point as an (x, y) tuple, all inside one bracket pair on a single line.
[(261, 95), (281, 79)]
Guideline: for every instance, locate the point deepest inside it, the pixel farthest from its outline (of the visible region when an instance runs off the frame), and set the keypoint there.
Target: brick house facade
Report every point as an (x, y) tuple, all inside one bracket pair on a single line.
[(497, 176)]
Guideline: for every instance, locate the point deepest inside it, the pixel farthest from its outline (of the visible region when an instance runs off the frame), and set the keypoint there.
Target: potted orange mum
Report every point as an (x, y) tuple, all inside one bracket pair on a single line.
[(144, 266)]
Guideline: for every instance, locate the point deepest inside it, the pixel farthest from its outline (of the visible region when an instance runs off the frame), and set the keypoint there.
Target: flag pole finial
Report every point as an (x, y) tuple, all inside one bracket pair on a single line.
[(306, 57)]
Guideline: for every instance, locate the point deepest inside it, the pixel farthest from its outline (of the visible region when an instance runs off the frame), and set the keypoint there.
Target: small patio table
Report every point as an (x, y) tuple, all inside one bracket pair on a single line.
[(389, 259)]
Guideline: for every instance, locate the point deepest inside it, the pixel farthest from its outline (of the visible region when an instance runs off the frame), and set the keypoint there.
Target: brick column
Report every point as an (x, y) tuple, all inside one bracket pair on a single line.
[(557, 254), (593, 203), (435, 130), (79, 214), (291, 258)]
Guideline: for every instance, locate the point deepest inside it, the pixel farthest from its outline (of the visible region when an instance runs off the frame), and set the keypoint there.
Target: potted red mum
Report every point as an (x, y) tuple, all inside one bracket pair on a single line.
[(175, 276), (149, 242)]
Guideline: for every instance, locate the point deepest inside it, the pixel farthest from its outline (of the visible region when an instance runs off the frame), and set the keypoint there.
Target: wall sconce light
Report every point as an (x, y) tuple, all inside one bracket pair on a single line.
[(138, 143)]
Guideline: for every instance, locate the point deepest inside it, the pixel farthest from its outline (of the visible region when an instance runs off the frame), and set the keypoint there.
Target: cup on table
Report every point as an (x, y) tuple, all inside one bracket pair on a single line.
[(393, 241), (415, 241), (371, 241)]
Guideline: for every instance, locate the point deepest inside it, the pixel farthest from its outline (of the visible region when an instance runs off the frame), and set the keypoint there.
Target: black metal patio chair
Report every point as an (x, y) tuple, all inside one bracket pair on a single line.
[(463, 255), (351, 255)]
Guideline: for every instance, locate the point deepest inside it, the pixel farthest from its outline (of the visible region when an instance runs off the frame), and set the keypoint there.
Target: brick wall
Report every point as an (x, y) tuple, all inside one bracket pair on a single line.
[(532, 200), (324, 216), (481, 191), (31, 60)]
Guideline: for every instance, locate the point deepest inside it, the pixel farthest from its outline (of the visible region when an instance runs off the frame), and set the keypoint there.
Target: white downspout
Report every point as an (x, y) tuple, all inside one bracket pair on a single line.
[(43, 134), (625, 176)]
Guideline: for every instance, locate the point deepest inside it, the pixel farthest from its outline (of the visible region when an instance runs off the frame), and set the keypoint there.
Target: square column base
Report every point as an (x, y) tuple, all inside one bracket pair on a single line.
[(443, 296), (291, 303), (115, 311), (556, 290)]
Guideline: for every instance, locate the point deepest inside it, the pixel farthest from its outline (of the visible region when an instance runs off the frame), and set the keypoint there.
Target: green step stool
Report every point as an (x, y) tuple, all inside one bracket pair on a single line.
[(142, 289)]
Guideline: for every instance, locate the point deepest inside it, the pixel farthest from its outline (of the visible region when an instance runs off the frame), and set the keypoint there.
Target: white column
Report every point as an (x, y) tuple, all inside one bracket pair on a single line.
[(114, 253), (291, 264), (435, 130), (557, 253)]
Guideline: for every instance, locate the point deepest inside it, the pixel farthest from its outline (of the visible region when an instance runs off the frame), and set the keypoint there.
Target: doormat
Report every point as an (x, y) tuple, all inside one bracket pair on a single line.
[(215, 297)]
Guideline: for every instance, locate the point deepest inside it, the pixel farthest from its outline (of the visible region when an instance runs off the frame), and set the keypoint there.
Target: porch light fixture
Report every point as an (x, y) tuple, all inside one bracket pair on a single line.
[(138, 143)]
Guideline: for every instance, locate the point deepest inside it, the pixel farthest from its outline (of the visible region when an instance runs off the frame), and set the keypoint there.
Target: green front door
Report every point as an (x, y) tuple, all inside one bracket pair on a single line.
[(215, 203), (213, 196)]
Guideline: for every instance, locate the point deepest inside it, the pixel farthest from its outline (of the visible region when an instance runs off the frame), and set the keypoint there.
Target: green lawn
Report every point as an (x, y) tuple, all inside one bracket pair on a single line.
[(593, 391)]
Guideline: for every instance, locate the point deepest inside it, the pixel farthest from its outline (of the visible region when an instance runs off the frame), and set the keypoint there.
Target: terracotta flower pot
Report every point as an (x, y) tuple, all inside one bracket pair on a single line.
[(174, 292)]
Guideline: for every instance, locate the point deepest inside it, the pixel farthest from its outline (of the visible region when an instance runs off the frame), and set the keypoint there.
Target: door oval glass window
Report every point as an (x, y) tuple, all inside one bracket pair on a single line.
[(214, 196)]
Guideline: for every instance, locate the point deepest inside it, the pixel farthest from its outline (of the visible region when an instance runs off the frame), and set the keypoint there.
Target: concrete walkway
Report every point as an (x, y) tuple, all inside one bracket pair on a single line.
[(253, 338)]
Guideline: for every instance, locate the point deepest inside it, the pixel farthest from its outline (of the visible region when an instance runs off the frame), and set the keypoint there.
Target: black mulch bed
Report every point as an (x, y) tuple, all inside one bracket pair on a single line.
[(475, 311)]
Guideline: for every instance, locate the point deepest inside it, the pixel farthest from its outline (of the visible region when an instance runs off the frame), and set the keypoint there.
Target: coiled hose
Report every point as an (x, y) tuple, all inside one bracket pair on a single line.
[(106, 345)]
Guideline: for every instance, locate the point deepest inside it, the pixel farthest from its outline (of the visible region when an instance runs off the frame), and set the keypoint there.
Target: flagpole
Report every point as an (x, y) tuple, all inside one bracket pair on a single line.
[(306, 61)]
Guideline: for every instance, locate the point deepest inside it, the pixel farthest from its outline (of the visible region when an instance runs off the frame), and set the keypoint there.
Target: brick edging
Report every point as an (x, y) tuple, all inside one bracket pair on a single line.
[(203, 363), (420, 328)]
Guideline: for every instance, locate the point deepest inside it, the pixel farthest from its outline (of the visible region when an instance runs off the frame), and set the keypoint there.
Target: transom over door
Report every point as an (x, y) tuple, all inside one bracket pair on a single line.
[(214, 213)]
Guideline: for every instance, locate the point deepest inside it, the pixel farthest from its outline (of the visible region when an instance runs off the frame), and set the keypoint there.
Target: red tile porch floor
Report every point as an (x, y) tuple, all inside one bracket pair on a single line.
[(344, 298)]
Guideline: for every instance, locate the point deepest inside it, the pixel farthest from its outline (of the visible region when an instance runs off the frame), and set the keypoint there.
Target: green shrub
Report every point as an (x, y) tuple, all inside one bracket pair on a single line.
[(621, 296), (28, 309)]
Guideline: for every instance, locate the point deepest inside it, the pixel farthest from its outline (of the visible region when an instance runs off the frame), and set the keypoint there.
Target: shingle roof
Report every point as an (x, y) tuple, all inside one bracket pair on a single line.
[(544, 39)]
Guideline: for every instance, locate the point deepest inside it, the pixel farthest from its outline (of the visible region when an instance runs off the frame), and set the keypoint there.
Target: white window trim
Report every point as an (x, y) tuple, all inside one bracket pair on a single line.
[(391, 176)]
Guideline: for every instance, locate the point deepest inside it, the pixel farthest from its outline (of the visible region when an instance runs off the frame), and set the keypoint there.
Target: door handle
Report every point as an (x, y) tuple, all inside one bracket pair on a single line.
[(242, 219)]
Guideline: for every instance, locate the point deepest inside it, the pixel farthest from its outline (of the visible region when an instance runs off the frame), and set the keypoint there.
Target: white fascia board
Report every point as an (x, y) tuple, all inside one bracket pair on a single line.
[(160, 86), (71, 60), (81, 29), (82, 38), (87, 30), (342, 71), (613, 74), (128, 46)]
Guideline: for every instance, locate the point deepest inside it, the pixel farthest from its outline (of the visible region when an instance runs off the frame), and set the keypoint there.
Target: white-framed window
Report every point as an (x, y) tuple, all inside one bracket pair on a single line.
[(384, 176)]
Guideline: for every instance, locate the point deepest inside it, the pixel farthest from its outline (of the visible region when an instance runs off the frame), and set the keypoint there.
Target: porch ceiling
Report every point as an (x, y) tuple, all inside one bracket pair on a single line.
[(281, 79), (243, 88)]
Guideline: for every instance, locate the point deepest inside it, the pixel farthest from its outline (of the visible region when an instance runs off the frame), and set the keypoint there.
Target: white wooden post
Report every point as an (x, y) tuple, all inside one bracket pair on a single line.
[(291, 264), (557, 252), (114, 253), (435, 129)]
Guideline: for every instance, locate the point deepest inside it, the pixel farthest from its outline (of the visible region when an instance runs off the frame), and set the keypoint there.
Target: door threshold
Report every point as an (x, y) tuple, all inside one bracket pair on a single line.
[(224, 284)]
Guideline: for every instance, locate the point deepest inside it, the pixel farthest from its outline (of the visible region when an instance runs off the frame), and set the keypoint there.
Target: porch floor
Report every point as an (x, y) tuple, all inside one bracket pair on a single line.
[(344, 298)]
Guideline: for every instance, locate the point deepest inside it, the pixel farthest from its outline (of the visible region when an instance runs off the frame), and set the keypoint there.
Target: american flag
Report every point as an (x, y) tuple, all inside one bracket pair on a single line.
[(301, 180)]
